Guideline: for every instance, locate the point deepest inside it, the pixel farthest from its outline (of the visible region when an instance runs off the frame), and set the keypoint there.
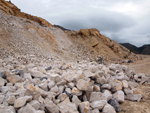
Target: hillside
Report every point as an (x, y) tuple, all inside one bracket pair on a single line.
[(145, 49)]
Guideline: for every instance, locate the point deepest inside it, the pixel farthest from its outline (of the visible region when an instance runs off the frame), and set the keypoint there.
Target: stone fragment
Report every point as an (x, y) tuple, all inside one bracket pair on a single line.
[(67, 107), (50, 106), (76, 100), (44, 86), (98, 104), (106, 86), (101, 80), (10, 99), (62, 96), (68, 90), (51, 84), (96, 88), (27, 109), (27, 76), (2, 82), (144, 79), (107, 95), (119, 96), (35, 104), (70, 84), (84, 107), (133, 84), (94, 111), (54, 89), (95, 96), (125, 84), (7, 109), (1, 98), (37, 74), (22, 101), (82, 85), (76, 92), (108, 109), (39, 111), (134, 97), (113, 102), (127, 91), (14, 79)]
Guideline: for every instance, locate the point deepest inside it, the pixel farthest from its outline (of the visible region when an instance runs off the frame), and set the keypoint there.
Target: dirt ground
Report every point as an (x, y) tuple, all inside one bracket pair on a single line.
[(141, 66)]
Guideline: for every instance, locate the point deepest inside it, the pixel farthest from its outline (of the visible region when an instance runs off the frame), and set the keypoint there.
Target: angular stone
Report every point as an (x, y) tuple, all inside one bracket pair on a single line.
[(101, 80), (95, 96), (127, 91), (7, 109), (108, 109), (106, 86), (27, 109), (70, 84), (133, 84), (144, 79), (10, 99), (2, 82), (51, 84), (27, 76), (121, 76), (84, 107), (1, 98), (50, 106), (82, 85), (14, 79), (68, 90), (76, 92), (98, 104), (113, 102), (107, 95), (37, 74), (94, 111), (96, 88), (76, 100), (68, 107), (119, 96), (44, 86), (62, 96), (39, 111), (134, 97), (125, 84), (54, 89), (35, 104), (22, 101)]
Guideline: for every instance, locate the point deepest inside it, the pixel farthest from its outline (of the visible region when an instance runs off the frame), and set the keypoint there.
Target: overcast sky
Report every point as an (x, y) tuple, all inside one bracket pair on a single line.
[(120, 20)]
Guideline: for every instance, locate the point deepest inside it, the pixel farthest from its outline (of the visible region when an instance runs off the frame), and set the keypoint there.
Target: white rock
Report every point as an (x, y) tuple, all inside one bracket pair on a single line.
[(21, 101), (82, 85), (127, 91), (50, 106), (119, 95), (94, 111), (51, 84), (27, 109), (108, 109), (70, 84), (84, 107), (96, 88), (35, 104), (44, 86), (68, 108), (1, 98), (98, 104), (125, 84), (37, 74), (68, 90), (76, 100), (7, 109), (106, 86), (27, 76), (95, 96), (76, 92), (107, 95), (62, 96), (54, 89), (2, 82), (10, 99), (134, 97)]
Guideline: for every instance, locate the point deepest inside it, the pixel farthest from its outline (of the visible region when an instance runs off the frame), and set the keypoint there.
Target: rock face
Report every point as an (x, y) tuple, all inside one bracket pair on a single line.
[(10, 9)]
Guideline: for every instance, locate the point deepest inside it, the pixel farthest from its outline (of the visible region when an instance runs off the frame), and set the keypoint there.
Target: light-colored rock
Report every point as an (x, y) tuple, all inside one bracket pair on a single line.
[(96, 88), (27, 76), (35, 104), (14, 79), (37, 74), (19, 85), (44, 86), (2, 82), (1, 98), (22, 101), (68, 108), (70, 84), (10, 99), (83, 85), (127, 91), (7, 109), (108, 109), (98, 104), (132, 84), (119, 95), (101, 80), (68, 90), (95, 96), (54, 89), (62, 96), (76, 100), (84, 107), (107, 95), (94, 111), (27, 109), (39, 111), (106, 86), (134, 97), (50, 106), (76, 92), (144, 79), (125, 84), (51, 84)]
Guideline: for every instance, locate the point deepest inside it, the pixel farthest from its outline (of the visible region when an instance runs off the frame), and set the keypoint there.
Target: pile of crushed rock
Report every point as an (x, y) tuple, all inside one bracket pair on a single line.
[(59, 87)]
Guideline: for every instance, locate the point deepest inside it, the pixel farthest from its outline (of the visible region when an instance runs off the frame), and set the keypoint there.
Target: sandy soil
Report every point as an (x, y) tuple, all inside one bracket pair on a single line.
[(141, 66)]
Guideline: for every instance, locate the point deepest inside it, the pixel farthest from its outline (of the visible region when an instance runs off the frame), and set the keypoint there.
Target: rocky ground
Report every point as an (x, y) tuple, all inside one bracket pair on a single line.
[(56, 86)]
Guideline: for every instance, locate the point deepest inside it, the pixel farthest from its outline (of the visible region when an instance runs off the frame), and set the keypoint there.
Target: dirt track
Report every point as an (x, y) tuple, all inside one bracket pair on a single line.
[(141, 66)]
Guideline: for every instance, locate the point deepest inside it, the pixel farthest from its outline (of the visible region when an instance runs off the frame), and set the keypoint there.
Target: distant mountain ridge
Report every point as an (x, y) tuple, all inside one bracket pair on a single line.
[(145, 49)]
